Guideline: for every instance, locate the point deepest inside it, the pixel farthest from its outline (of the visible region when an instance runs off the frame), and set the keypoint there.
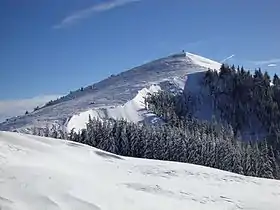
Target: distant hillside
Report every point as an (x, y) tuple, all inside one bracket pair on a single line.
[(119, 96)]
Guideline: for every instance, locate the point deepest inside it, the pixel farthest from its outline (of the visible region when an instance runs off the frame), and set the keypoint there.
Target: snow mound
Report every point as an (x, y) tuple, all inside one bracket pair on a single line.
[(44, 173), (132, 111)]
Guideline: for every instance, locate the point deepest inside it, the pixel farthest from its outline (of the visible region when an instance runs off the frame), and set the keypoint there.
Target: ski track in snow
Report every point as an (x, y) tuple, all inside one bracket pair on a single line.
[(119, 96), (44, 173)]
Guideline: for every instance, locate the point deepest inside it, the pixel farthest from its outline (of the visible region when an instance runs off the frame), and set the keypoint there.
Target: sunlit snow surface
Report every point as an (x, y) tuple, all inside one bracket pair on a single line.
[(119, 96), (133, 111), (43, 173)]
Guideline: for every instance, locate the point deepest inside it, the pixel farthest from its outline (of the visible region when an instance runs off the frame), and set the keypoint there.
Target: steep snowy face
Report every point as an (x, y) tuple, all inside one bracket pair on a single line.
[(44, 173), (204, 62), (119, 96), (134, 111)]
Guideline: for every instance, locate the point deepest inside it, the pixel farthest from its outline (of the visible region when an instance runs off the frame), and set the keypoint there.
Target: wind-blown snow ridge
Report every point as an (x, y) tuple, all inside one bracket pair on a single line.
[(133, 111), (44, 173), (115, 96), (205, 62)]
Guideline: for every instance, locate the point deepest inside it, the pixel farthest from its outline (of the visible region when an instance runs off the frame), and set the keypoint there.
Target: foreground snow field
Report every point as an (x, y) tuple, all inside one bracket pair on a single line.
[(43, 173)]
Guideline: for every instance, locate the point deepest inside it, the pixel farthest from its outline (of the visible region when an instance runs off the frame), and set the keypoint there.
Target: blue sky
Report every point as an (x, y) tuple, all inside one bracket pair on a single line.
[(52, 47)]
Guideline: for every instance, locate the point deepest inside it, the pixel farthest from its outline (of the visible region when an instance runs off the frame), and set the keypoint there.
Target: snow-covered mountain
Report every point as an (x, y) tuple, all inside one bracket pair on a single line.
[(119, 96), (44, 173)]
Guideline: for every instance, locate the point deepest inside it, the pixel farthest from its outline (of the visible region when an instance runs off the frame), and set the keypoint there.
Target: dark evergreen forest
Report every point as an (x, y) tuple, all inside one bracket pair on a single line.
[(242, 100)]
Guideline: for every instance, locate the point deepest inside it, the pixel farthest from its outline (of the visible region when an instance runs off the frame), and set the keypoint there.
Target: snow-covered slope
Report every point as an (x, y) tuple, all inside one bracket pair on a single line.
[(133, 110), (119, 96), (43, 173)]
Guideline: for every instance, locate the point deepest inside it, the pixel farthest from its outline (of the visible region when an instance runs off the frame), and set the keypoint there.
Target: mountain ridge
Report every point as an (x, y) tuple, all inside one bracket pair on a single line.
[(114, 92)]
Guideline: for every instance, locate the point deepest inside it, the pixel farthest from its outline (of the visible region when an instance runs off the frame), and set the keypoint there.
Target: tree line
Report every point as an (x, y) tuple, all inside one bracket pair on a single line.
[(193, 142), (181, 137), (248, 102)]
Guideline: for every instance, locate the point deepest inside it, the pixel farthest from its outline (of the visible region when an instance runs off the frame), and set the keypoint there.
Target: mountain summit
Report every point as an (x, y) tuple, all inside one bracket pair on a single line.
[(119, 96)]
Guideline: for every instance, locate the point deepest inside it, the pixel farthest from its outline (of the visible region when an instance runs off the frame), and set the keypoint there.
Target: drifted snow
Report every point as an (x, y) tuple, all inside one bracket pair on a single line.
[(44, 173), (205, 62), (133, 111), (115, 96)]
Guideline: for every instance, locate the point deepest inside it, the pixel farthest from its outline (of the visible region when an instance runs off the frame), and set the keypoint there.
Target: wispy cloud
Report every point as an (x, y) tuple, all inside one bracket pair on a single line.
[(87, 12), (10, 108), (272, 65), (227, 58), (269, 62)]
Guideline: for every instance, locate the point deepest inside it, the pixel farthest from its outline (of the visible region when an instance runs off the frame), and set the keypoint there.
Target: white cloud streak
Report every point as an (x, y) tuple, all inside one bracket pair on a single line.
[(272, 65), (270, 62), (11, 108), (227, 58), (86, 13)]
